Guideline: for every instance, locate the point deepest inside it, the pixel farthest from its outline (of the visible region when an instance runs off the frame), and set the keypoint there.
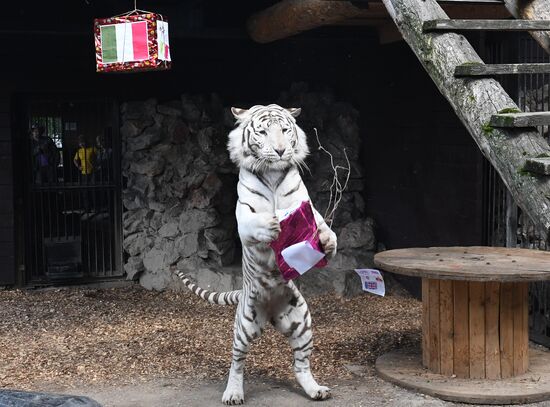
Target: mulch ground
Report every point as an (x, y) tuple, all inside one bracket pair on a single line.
[(123, 335)]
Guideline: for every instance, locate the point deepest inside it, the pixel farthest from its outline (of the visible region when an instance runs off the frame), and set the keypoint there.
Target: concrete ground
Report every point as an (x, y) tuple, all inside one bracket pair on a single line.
[(359, 392), (186, 393)]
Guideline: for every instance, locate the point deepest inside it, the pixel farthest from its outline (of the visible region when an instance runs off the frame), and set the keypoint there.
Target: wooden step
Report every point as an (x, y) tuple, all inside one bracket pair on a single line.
[(472, 1), (486, 25), (530, 119), (501, 69), (540, 166)]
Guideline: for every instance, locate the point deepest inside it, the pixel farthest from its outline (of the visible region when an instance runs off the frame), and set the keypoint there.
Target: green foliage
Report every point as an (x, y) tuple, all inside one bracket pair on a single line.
[(509, 110), (526, 173), (542, 155), (487, 129)]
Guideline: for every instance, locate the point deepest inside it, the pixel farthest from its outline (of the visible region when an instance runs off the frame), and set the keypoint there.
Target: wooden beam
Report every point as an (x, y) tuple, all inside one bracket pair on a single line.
[(290, 17), (474, 102), (485, 25), (501, 69), (532, 10), (539, 166), (476, 2), (530, 119)]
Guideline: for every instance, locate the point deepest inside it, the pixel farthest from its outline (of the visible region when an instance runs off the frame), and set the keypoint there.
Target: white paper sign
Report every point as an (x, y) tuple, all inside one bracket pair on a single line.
[(372, 281), (302, 256)]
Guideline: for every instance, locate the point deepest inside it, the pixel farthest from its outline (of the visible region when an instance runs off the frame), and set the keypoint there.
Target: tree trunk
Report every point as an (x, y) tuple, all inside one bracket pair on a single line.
[(474, 101), (532, 10)]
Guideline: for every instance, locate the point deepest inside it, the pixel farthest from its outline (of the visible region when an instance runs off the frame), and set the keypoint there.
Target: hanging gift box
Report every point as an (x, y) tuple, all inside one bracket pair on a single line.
[(136, 41)]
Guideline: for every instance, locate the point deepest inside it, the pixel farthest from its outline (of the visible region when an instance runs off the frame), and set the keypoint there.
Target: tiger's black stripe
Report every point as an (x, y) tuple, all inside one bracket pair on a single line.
[(223, 298), (252, 190), (304, 346), (282, 178), (263, 181), (250, 206), (296, 188)]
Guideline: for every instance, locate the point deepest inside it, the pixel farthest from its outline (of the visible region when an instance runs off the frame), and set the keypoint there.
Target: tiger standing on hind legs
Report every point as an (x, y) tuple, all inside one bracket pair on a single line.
[(269, 148)]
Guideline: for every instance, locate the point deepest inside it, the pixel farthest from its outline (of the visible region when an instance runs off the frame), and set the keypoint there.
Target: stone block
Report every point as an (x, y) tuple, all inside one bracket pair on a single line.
[(149, 137), (194, 220), (139, 109), (188, 244), (357, 234), (170, 110), (157, 281), (190, 111), (178, 132), (137, 243), (149, 166), (133, 268), (132, 128), (169, 230)]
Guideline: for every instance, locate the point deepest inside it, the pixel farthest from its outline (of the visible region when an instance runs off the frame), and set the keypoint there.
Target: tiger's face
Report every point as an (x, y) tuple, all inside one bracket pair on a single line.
[(267, 138)]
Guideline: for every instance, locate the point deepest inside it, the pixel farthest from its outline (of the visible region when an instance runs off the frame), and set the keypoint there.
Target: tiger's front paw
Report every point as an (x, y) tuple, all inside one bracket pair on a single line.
[(329, 243), (268, 230)]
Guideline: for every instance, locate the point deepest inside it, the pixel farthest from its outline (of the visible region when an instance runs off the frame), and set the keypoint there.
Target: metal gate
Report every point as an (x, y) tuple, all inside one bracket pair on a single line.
[(505, 224), (70, 161)]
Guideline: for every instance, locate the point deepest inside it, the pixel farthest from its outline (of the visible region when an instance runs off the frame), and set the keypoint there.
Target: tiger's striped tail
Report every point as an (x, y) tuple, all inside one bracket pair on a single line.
[(213, 297)]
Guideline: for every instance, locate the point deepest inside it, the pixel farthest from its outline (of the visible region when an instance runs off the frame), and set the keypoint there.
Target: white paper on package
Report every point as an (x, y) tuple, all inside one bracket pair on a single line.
[(372, 281), (302, 256)]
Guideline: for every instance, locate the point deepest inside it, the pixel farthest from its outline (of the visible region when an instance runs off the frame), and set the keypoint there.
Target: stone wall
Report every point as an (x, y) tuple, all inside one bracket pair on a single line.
[(180, 190)]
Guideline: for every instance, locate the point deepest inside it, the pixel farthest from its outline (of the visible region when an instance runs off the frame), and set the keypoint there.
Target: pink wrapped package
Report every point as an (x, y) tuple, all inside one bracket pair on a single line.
[(297, 249)]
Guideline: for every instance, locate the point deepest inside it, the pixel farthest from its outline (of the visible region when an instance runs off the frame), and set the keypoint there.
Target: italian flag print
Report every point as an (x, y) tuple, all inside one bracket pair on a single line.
[(162, 41), (124, 42)]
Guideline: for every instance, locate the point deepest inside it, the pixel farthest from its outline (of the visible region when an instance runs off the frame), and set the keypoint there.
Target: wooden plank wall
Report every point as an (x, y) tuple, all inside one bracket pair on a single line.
[(7, 227)]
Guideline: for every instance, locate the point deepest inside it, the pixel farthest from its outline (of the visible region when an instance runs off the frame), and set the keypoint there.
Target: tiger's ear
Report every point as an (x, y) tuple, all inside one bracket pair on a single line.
[(294, 111), (238, 112)]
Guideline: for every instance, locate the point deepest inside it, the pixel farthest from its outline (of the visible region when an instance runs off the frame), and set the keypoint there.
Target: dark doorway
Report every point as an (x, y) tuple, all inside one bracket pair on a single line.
[(69, 157)]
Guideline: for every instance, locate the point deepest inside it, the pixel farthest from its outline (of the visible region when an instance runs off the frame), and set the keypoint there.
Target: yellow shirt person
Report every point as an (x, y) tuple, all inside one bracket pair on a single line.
[(84, 157)]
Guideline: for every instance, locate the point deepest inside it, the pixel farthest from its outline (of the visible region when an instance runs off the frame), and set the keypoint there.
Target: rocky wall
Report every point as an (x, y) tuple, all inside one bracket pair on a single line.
[(180, 190)]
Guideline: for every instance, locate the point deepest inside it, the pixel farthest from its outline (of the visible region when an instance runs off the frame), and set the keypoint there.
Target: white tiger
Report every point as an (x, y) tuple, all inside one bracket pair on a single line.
[(268, 147)]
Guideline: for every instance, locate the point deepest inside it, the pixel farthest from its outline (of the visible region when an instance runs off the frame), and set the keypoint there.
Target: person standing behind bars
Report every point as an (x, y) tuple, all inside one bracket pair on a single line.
[(103, 160), (45, 155), (84, 160)]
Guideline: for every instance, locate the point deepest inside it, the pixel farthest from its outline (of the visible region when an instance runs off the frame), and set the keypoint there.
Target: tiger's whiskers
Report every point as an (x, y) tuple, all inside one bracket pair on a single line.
[(301, 164)]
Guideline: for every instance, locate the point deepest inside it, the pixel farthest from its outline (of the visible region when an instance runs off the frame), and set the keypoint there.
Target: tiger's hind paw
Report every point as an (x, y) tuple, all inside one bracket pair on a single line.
[(232, 397), (321, 393)]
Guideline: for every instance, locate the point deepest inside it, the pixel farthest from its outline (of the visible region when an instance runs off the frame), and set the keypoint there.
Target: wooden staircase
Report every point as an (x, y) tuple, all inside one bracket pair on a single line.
[(485, 25), (504, 134)]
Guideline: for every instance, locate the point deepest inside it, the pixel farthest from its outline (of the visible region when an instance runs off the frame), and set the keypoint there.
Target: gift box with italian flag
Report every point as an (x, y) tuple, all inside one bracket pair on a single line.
[(132, 42)]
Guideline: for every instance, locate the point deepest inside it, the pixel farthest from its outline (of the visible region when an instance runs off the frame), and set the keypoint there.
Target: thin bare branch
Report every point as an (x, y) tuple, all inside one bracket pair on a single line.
[(336, 189)]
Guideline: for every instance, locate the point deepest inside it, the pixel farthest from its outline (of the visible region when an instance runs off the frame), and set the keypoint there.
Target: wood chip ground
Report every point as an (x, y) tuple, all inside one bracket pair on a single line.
[(125, 335)]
